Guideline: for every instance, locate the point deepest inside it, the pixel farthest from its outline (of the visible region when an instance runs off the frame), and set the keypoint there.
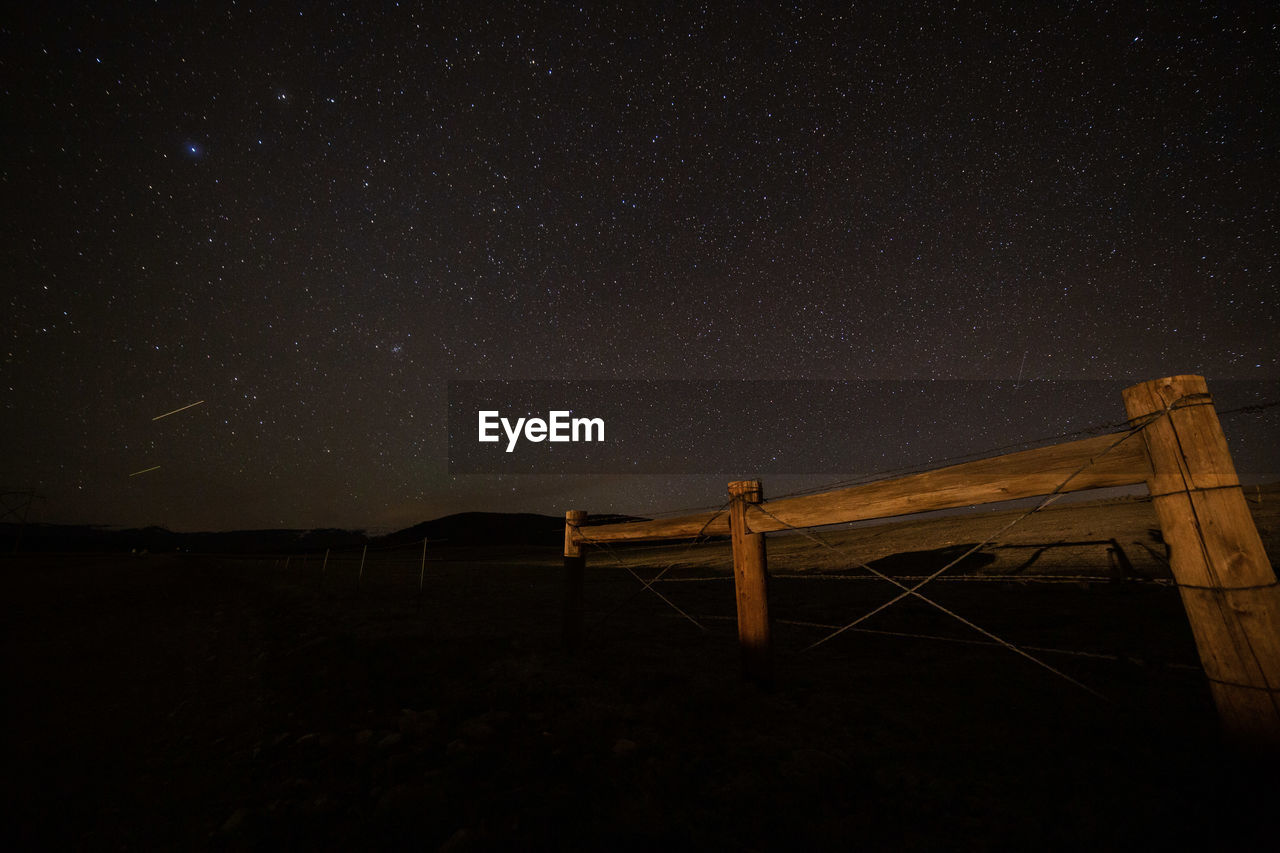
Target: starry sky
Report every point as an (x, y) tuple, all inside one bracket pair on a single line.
[(313, 216)]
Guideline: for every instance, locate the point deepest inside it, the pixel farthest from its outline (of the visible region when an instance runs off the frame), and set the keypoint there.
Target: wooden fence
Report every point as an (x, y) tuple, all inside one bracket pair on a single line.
[(1174, 445)]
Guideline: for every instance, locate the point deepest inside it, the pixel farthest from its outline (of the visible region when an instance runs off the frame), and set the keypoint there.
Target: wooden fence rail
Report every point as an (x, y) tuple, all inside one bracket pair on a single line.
[(1175, 446)]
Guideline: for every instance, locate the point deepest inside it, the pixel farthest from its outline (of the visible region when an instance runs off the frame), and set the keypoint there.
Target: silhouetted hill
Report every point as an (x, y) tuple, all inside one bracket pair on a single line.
[(491, 528), (466, 528), (91, 538)]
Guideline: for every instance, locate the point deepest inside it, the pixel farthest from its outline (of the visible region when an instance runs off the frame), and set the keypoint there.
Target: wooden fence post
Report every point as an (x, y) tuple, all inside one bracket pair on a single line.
[(1227, 584), (750, 579), (575, 564)]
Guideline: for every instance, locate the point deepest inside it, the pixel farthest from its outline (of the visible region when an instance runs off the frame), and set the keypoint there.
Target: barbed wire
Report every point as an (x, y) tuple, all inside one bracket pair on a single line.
[(996, 450), (648, 585), (1021, 580), (1251, 409), (946, 461), (910, 585), (913, 590), (1110, 656), (1134, 427)]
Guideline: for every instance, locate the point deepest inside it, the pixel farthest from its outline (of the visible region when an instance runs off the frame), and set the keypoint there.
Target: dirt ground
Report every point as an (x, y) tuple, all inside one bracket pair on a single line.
[(189, 702)]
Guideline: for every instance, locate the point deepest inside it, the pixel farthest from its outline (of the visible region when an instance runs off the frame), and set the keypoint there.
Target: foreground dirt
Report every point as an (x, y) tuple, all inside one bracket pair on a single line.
[(200, 703)]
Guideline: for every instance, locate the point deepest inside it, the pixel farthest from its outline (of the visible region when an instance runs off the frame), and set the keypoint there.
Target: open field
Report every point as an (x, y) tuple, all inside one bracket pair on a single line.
[(218, 703)]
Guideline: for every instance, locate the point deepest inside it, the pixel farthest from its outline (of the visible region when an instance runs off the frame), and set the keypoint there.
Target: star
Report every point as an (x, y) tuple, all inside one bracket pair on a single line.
[(795, 196)]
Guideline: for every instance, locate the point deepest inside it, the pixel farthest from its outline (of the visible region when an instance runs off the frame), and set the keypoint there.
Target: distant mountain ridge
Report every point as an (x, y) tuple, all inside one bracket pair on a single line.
[(98, 538), (491, 528), (465, 528)]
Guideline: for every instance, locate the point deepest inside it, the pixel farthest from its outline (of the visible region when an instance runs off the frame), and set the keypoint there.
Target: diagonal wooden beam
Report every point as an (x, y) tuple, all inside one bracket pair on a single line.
[(1091, 463)]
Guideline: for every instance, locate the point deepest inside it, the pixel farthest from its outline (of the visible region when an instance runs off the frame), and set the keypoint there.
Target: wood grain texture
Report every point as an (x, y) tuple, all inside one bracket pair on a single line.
[(1226, 581), (680, 527), (573, 519), (751, 583), (1000, 478)]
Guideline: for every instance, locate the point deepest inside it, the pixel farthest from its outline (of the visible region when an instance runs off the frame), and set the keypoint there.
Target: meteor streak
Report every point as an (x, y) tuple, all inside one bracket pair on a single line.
[(144, 470), (175, 411)]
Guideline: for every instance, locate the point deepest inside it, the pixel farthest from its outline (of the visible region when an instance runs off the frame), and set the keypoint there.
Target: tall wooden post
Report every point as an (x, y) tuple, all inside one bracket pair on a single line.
[(750, 578), (575, 565), (1227, 584)]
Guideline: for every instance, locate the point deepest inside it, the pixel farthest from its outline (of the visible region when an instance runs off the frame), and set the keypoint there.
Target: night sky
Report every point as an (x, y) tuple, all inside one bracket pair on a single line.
[(312, 216)]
